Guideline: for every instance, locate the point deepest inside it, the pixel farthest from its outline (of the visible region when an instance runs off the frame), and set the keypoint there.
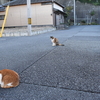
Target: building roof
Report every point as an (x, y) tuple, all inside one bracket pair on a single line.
[(23, 2)]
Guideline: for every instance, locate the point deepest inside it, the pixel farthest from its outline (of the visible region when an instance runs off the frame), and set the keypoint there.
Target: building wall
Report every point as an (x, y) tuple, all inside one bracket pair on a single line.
[(41, 15), (17, 16), (1, 21)]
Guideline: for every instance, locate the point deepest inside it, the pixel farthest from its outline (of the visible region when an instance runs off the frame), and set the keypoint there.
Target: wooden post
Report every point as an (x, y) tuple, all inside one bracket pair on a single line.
[(4, 22)]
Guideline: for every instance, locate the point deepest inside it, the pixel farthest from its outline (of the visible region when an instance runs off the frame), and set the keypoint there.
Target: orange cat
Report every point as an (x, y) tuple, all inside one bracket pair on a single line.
[(8, 78)]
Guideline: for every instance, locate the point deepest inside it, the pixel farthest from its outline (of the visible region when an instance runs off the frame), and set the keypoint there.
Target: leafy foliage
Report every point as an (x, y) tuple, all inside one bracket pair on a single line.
[(68, 9), (92, 13), (95, 2)]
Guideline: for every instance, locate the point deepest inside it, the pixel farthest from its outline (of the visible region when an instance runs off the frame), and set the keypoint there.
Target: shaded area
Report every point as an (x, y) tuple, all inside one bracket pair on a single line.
[(75, 66), (35, 92)]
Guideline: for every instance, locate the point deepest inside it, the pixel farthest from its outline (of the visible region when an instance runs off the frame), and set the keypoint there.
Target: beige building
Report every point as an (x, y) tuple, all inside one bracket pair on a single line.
[(43, 12)]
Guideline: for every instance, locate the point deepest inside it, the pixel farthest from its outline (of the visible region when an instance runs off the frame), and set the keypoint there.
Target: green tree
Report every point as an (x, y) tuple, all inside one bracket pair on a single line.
[(92, 13), (95, 2), (68, 12)]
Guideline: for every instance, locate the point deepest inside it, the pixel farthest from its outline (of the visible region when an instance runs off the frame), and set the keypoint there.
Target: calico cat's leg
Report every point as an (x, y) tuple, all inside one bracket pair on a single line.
[(53, 44)]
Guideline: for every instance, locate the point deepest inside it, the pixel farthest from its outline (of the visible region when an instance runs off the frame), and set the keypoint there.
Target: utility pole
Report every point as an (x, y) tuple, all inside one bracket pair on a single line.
[(53, 12), (74, 13), (29, 16)]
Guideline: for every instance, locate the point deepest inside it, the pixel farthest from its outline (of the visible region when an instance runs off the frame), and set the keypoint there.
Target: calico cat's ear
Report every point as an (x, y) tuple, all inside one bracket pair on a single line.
[(51, 37)]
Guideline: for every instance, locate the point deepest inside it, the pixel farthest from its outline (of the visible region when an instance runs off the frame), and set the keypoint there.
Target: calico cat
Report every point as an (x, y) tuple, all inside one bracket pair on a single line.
[(8, 78), (55, 41)]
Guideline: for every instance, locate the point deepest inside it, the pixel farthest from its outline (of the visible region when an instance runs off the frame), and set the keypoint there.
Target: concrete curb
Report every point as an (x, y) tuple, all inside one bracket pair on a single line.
[(9, 34)]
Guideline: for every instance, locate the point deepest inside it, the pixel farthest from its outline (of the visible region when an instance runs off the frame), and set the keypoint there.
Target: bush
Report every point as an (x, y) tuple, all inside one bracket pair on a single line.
[(93, 23), (83, 21)]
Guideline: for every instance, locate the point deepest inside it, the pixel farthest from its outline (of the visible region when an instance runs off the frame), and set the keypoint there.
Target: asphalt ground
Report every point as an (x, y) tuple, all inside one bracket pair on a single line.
[(70, 72)]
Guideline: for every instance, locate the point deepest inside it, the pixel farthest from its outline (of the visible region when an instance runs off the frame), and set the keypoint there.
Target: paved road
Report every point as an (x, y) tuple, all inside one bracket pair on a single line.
[(70, 72)]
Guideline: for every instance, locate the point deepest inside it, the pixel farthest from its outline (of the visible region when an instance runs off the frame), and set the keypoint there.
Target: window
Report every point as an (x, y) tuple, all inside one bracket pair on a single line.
[(2, 17)]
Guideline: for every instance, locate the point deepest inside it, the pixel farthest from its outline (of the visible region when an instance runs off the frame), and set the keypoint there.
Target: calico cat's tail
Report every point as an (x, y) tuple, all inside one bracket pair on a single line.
[(60, 44)]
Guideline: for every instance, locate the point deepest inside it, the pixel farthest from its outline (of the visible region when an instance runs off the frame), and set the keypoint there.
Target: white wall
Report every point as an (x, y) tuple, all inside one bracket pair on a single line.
[(57, 7)]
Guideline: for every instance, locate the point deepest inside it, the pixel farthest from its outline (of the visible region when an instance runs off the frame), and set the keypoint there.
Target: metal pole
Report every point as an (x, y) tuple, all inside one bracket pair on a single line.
[(29, 16), (53, 12), (74, 14)]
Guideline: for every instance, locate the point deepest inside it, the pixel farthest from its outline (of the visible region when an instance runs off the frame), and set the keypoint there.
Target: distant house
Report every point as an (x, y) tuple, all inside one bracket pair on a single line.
[(43, 12)]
